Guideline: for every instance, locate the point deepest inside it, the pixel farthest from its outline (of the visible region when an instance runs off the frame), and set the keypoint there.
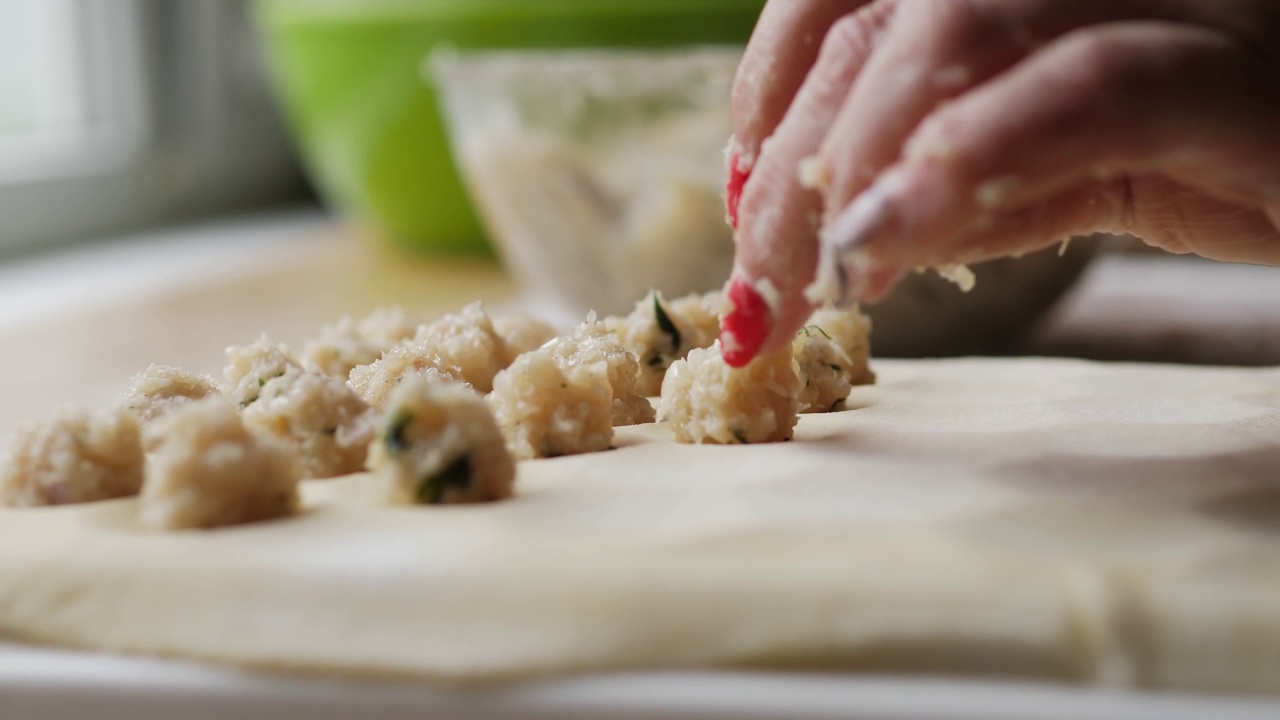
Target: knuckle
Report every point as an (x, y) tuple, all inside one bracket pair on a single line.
[(848, 43), (957, 28), (940, 140), (930, 138), (861, 29), (1092, 62), (851, 31)]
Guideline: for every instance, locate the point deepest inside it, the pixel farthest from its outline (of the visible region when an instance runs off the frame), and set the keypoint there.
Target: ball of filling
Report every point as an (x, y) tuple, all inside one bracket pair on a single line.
[(959, 275), (701, 314), (321, 417), (521, 333), (593, 343), (388, 326), (347, 343), (74, 457), (159, 389), (851, 330), (339, 349), (659, 332), (547, 409), (252, 366), (824, 371), (468, 345), (706, 401), (375, 382), (439, 444), (211, 471)]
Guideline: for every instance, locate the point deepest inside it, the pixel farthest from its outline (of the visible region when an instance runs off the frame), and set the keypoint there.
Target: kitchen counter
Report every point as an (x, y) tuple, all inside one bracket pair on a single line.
[(61, 685), (1159, 308)]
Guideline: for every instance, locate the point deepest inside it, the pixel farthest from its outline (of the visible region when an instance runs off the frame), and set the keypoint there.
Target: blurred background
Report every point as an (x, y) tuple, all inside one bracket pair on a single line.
[(180, 175)]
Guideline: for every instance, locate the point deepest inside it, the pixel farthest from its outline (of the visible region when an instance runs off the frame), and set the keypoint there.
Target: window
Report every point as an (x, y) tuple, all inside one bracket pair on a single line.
[(69, 97), (125, 113)]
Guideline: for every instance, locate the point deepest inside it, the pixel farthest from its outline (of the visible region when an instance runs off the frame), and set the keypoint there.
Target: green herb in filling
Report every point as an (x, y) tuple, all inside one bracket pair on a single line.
[(836, 368), (817, 329), (740, 435), (666, 325), (456, 476), (394, 437)]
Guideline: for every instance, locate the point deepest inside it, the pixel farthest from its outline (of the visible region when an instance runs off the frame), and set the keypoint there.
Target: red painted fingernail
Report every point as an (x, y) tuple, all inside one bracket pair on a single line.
[(733, 187), (747, 325)]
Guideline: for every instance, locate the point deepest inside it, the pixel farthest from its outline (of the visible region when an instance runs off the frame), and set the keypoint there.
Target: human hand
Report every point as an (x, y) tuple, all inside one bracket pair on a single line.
[(947, 132)]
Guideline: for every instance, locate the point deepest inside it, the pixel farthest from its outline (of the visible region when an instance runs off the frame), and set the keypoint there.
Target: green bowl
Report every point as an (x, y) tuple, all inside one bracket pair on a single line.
[(348, 73)]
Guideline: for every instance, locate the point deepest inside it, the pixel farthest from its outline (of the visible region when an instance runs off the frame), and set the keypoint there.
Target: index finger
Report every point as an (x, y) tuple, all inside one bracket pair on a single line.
[(777, 239), (782, 49)]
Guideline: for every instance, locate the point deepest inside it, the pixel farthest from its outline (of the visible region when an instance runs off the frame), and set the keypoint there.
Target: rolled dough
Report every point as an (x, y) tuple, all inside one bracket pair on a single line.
[(1052, 519)]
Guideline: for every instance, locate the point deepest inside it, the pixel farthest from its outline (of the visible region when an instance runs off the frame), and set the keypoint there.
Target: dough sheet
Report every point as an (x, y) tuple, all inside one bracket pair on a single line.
[(1062, 520)]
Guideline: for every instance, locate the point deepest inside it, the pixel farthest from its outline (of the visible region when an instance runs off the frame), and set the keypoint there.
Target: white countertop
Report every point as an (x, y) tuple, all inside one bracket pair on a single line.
[(119, 271), (60, 685)]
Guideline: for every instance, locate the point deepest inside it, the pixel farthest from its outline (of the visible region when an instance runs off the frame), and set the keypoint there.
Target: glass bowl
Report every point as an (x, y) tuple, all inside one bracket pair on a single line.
[(598, 173)]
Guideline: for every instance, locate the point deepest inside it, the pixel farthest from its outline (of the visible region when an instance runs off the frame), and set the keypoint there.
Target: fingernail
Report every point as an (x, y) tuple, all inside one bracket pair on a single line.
[(842, 262), (746, 326), (866, 216), (739, 172), (841, 282)]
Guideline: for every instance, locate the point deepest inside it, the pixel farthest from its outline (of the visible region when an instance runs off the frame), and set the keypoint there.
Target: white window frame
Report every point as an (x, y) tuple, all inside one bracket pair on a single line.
[(57, 184), (180, 124)]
